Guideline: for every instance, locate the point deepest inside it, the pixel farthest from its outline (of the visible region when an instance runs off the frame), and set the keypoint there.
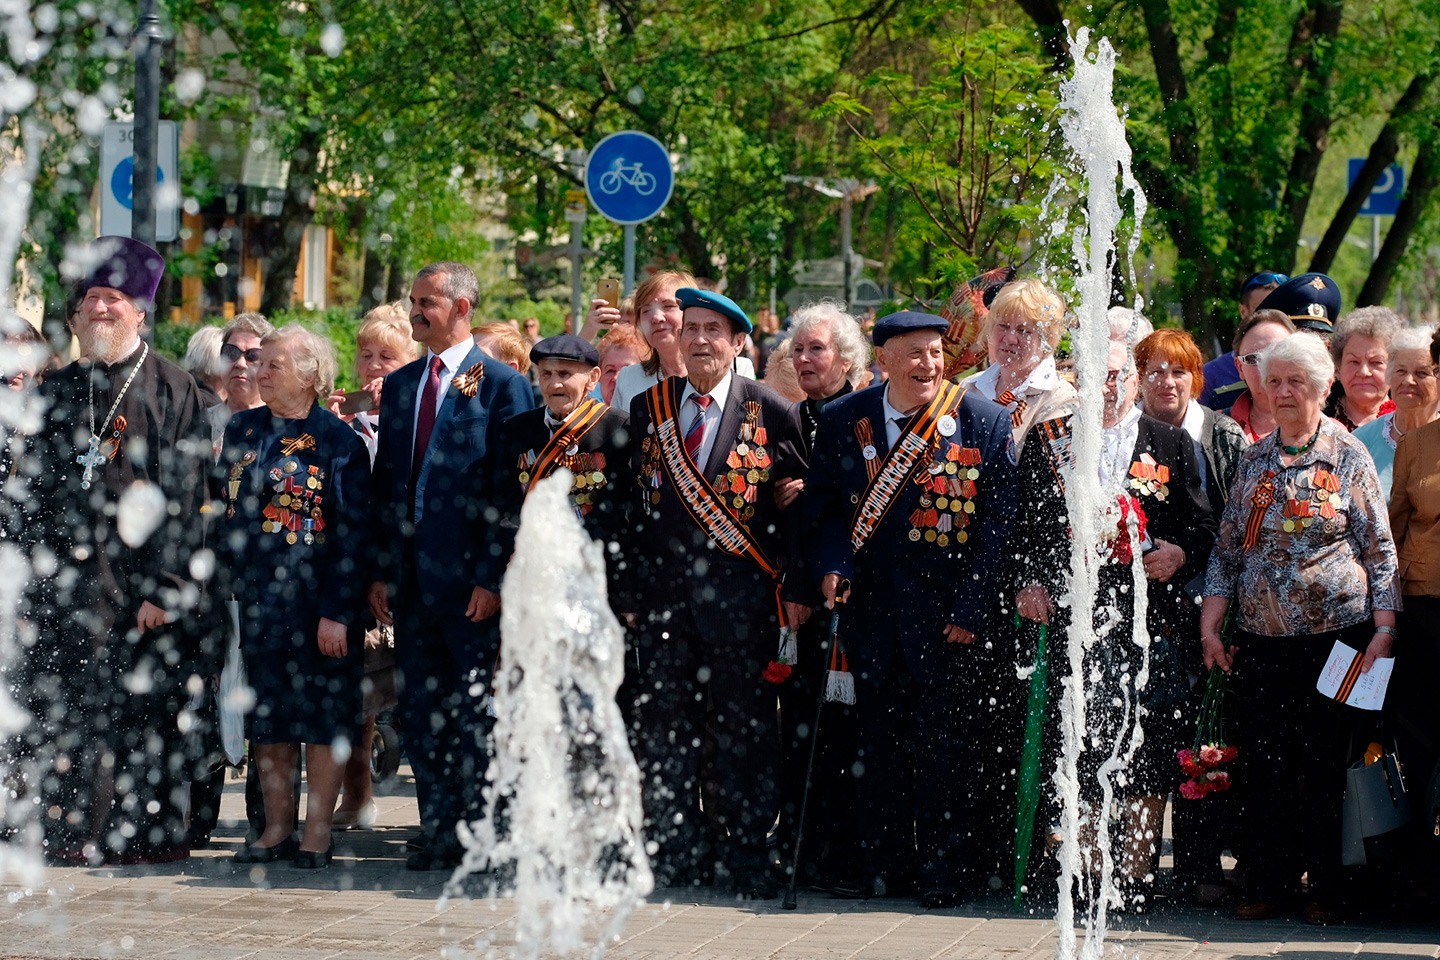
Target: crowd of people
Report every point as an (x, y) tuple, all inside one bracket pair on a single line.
[(867, 544)]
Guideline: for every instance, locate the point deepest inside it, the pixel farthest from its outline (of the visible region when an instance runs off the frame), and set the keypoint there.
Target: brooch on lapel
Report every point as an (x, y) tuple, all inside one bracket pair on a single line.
[(291, 446), (469, 381)]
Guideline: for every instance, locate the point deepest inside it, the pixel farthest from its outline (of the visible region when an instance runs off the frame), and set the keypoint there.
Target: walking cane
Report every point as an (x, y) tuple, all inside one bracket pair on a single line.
[(789, 902)]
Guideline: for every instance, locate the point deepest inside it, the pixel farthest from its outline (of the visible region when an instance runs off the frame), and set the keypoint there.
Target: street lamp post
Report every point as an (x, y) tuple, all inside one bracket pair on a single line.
[(148, 41), (847, 190)]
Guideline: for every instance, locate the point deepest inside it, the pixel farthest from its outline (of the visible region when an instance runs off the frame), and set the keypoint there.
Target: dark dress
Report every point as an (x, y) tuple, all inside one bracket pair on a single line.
[(1175, 510), (294, 544)]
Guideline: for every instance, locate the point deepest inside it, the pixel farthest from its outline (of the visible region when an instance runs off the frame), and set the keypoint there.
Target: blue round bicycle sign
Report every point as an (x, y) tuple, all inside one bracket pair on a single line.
[(628, 177)]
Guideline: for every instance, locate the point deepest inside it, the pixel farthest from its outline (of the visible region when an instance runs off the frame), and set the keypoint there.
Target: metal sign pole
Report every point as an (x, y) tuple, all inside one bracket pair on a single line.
[(147, 121), (629, 259)]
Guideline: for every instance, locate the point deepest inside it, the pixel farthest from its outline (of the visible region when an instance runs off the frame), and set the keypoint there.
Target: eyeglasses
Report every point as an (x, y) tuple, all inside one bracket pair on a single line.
[(1262, 280), (233, 353), (1251, 359)]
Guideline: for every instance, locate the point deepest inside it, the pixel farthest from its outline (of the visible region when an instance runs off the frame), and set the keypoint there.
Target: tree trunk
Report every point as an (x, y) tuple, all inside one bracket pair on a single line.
[(396, 285), (372, 280), (1050, 22), (1382, 154), (694, 250), (1423, 178), (283, 257)]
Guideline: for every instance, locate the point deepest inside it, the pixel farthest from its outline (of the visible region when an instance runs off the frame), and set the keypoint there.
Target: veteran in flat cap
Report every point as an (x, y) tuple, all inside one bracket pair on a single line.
[(124, 430), (580, 434), (910, 498), (1311, 301), (714, 549)]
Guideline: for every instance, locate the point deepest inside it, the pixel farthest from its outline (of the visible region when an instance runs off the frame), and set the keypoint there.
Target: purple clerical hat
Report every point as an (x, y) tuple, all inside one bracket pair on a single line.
[(127, 265)]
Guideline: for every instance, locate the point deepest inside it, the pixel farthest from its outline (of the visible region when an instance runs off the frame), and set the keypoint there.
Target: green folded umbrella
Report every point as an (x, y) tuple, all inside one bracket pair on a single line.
[(1027, 787)]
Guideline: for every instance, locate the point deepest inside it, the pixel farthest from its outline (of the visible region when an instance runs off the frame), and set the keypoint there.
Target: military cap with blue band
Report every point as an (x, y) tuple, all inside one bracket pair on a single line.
[(690, 297), (907, 321), (566, 346), (1311, 301)]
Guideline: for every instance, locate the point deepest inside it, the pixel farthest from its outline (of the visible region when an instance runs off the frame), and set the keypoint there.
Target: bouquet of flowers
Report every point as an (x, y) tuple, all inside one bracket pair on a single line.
[(1202, 762)]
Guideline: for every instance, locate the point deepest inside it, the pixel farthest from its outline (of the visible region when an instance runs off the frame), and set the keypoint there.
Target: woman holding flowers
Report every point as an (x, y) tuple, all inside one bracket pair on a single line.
[(1305, 554)]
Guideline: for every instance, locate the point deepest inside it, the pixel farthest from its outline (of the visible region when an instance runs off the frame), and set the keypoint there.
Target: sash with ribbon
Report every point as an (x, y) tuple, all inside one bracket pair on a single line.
[(900, 463), (708, 510), (579, 423)]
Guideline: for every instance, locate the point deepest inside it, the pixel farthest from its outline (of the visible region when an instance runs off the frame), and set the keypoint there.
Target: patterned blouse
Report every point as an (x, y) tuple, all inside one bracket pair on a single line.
[(1321, 555)]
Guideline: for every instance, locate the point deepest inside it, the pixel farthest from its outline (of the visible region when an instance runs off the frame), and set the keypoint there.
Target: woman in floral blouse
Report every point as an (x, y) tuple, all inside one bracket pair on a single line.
[(1305, 546)]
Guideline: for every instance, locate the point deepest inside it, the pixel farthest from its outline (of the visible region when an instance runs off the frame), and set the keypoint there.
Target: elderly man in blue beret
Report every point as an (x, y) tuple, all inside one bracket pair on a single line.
[(117, 494), (716, 639), (911, 497)]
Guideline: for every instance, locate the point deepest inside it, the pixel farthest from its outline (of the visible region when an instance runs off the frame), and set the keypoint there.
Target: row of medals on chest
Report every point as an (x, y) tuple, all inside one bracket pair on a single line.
[(947, 498), (588, 469), (295, 507), (748, 466), (1319, 494)]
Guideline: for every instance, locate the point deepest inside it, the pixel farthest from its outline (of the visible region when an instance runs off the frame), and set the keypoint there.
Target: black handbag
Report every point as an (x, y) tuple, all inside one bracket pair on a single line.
[(1376, 804)]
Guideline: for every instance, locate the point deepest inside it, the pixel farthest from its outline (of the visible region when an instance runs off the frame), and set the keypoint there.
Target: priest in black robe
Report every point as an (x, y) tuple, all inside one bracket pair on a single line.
[(116, 476)]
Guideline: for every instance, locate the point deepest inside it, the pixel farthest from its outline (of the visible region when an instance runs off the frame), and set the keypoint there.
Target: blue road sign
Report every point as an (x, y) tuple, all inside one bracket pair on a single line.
[(1384, 199), (628, 177), (122, 182)]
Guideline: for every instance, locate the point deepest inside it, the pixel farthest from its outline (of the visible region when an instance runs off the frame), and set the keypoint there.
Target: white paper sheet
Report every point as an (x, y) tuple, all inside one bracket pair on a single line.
[(1342, 672)]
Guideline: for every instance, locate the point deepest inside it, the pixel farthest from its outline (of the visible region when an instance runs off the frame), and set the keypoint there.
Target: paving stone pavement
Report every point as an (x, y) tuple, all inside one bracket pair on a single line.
[(368, 907)]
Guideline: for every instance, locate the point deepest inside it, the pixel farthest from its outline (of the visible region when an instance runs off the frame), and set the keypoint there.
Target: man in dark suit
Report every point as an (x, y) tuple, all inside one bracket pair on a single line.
[(911, 499), (584, 436), (711, 556), (436, 577)]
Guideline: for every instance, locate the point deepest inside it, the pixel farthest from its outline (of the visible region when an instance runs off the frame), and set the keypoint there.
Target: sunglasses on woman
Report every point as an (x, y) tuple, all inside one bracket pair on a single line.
[(233, 353)]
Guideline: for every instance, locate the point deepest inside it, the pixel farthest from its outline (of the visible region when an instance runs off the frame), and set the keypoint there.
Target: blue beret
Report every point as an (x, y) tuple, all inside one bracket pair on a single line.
[(907, 321), (566, 346), (690, 297), (127, 265), (1311, 301)]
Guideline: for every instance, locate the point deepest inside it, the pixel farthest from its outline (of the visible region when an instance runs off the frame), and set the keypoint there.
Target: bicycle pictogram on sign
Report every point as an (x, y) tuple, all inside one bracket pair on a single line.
[(620, 174)]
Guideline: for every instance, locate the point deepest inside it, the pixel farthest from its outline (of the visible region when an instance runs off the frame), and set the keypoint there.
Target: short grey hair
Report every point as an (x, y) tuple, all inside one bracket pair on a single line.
[(202, 354), (251, 323), (1380, 323), (312, 354), (459, 281), (844, 330), (1307, 351), (1412, 338), (1123, 320)]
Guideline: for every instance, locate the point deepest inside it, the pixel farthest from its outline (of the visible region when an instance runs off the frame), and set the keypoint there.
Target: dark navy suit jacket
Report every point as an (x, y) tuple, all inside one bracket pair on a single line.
[(906, 591), (447, 543)]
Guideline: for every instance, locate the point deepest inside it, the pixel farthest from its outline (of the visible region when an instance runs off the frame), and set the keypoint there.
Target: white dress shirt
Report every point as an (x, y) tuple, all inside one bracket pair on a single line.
[(1119, 447), (1042, 379), (632, 381), (450, 360), (718, 396), (893, 418), (1194, 425)]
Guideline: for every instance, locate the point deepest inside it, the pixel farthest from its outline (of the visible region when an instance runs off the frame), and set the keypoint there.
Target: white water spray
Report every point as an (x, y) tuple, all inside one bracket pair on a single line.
[(563, 800), (1095, 135)]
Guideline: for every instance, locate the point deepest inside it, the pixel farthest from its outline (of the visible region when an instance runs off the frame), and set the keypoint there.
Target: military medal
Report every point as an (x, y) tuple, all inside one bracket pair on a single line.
[(468, 382), (945, 425), (869, 452), (94, 456)]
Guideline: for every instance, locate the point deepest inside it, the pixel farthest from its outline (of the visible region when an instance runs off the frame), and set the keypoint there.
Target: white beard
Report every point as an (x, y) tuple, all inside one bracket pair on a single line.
[(107, 344)]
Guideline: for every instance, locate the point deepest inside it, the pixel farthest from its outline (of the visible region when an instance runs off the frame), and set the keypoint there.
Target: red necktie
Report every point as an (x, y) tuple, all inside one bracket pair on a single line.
[(424, 424), (695, 436)]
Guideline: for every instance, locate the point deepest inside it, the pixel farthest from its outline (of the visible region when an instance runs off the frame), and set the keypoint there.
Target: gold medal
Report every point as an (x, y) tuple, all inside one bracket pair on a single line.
[(969, 506), (268, 526), (764, 474), (930, 536), (753, 476), (957, 505), (284, 500), (914, 534), (942, 503), (943, 540), (597, 478), (292, 538), (974, 474), (313, 483), (655, 496), (1289, 526), (951, 468), (961, 536), (524, 476), (738, 503)]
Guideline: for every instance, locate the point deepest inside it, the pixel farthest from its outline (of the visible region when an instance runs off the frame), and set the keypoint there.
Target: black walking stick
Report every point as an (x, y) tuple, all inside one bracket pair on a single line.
[(789, 902)]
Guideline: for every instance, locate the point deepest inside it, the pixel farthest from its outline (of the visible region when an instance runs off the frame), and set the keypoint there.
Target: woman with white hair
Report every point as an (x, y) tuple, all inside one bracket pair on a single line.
[(1361, 348), (1414, 394), (830, 358), (296, 485), (1306, 556), (1022, 330)]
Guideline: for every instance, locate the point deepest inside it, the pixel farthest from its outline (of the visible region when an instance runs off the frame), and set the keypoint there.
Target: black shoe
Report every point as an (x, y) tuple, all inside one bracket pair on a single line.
[(314, 859), (755, 886), (864, 888), (284, 850), (940, 898), (436, 856), (420, 841)]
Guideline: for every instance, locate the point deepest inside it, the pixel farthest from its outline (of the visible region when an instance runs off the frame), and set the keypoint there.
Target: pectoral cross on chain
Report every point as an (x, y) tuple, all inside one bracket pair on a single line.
[(90, 459)]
